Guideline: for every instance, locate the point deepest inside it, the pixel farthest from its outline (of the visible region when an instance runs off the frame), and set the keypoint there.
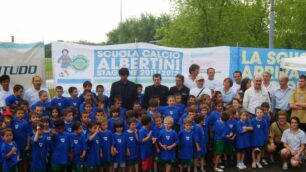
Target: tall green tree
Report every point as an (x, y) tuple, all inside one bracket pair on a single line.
[(141, 29)]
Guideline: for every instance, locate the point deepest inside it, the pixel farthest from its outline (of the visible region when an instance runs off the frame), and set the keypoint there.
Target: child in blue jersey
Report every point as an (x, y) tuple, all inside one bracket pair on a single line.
[(60, 154), (68, 118), (88, 108), (78, 147), (39, 149), (74, 100), (158, 126), (122, 110), (133, 146), (178, 103), (9, 152), (168, 141), (85, 120), (13, 100), (114, 113), (267, 116), (216, 114), (101, 96), (22, 136), (191, 112), (221, 133), (99, 116), (94, 151), (87, 87), (2, 125), (43, 101), (243, 131), (88, 98), (259, 136), (229, 144), (200, 141), (106, 140), (186, 143), (120, 149), (47, 133), (60, 101), (146, 144), (25, 106), (171, 111), (55, 115)]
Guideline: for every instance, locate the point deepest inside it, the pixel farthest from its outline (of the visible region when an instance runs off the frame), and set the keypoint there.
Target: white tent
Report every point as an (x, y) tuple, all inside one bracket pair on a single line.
[(298, 63)]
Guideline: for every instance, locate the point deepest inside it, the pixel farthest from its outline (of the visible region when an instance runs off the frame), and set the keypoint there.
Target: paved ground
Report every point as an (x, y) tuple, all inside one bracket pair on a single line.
[(270, 168)]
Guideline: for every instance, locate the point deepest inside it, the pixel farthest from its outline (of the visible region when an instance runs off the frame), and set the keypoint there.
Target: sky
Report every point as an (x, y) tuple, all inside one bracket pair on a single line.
[(69, 20)]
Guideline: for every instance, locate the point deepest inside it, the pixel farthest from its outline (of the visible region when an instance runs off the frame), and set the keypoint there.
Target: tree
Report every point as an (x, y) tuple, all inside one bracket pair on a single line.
[(141, 29)]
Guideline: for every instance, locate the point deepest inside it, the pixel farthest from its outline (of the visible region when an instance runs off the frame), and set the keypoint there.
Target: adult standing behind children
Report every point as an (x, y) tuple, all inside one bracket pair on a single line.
[(31, 94), (156, 90), (5, 91), (180, 88), (125, 89), (194, 71)]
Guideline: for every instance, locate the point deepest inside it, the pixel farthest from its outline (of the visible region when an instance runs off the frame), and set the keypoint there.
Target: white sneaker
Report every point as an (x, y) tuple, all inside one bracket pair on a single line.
[(221, 166), (203, 170), (285, 166), (218, 170), (239, 166), (253, 164), (243, 165), (258, 165), (264, 162)]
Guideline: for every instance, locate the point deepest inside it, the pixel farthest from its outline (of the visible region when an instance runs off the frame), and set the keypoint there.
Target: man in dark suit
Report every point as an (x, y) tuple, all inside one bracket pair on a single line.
[(180, 88), (125, 89), (156, 90)]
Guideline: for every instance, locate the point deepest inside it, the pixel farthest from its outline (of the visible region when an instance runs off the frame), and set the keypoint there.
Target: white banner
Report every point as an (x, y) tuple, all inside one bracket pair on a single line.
[(73, 63), (22, 61)]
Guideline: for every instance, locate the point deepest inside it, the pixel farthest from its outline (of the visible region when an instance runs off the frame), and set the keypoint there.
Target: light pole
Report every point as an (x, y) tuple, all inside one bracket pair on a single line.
[(271, 30), (120, 11)]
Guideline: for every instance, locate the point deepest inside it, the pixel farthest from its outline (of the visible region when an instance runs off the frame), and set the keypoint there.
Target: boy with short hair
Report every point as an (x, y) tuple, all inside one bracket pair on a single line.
[(87, 86), (43, 101), (60, 154), (118, 104), (39, 148), (106, 139), (74, 100), (101, 96), (200, 142), (158, 126), (60, 101), (68, 118), (85, 120), (171, 111), (94, 151), (167, 141), (114, 112), (13, 100), (133, 146)]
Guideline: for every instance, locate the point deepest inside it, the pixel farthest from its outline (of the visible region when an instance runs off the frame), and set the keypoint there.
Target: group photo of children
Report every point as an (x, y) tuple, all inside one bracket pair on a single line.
[(200, 124)]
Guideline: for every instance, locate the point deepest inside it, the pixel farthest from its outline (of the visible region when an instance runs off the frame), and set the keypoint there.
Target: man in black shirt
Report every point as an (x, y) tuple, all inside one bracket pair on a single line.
[(125, 89), (156, 90), (180, 88)]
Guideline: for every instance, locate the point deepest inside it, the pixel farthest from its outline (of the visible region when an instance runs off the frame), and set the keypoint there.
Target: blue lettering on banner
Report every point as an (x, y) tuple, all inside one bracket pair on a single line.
[(18, 70), (254, 61), (140, 62)]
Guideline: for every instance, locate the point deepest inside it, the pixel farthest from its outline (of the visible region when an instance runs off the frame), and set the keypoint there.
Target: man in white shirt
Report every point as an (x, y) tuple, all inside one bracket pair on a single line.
[(255, 96), (31, 94), (238, 79), (5, 91), (200, 89), (194, 71), (211, 83)]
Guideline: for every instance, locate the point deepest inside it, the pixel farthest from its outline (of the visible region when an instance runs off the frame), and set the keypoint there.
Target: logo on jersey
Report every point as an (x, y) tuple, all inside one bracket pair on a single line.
[(62, 140), (131, 138), (258, 125), (97, 141), (168, 137), (119, 140), (230, 126), (16, 126), (105, 139), (75, 141), (187, 138), (41, 144)]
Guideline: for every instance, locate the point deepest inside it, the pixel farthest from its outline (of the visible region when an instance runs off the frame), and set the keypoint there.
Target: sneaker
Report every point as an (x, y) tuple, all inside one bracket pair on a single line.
[(203, 170), (253, 164), (258, 165), (243, 165), (218, 170), (285, 166), (221, 166), (264, 162), (239, 166), (195, 170)]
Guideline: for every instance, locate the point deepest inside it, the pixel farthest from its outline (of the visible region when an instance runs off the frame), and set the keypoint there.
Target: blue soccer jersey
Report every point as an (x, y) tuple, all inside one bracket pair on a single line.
[(186, 143), (242, 138), (21, 133), (39, 153), (12, 99), (259, 134), (120, 144), (132, 144), (106, 140), (78, 145), (93, 151), (61, 103), (11, 161), (199, 137), (168, 138), (146, 148), (61, 149), (46, 107)]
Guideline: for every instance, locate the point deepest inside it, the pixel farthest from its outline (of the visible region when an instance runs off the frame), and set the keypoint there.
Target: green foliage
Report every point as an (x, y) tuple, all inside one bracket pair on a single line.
[(141, 29)]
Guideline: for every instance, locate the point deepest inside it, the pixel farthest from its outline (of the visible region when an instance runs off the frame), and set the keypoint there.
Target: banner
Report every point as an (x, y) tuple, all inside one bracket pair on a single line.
[(73, 64), (22, 61), (254, 61)]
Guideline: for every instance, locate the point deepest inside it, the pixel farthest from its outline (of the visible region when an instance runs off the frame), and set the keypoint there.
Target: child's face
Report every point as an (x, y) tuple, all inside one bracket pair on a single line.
[(204, 111), (236, 104), (87, 96), (85, 118), (153, 109), (7, 120), (259, 113), (104, 126), (139, 90), (99, 91), (60, 129), (188, 126), (79, 130), (243, 117), (43, 97), (74, 93), (119, 129), (99, 116), (115, 114), (178, 99), (133, 126), (219, 97), (88, 108), (24, 107), (101, 105), (191, 114), (69, 117), (192, 99), (265, 110), (171, 101), (19, 93), (136, 107), (8, 136), (39, 110), (219, 107), (118, 104), (59, 92), (46, 125), (19, 114), (34, 118), (158, 122), (54, 113), (167, 124), (88, 87)]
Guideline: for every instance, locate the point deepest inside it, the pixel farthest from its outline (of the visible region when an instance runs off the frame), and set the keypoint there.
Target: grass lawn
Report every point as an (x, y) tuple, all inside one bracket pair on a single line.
[(49, 74)]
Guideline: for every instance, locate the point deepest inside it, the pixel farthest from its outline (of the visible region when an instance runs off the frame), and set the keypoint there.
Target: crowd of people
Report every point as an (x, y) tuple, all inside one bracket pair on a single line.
[(195, 125)]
